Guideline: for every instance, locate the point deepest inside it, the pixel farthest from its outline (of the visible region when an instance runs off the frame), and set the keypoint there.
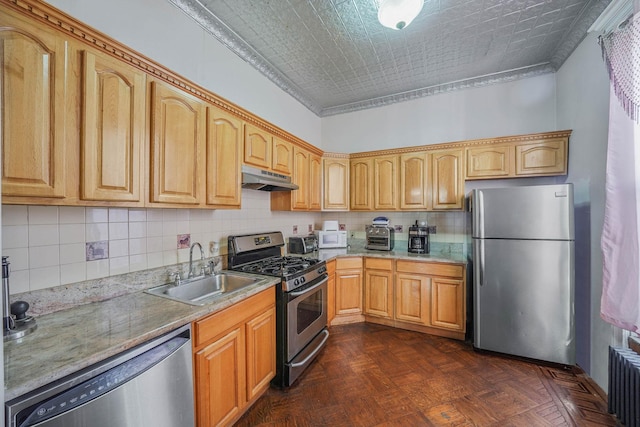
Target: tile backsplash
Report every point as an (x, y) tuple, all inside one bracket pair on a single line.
[(50, 246)]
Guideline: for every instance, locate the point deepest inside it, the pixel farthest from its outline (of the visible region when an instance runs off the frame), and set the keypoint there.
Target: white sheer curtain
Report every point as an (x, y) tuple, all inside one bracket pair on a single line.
[(620, 303)]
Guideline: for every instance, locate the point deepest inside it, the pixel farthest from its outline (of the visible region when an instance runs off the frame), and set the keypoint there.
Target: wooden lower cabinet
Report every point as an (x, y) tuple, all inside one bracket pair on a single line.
[(421, 296), (447, 303), (348, 307), (378, 287), (234, 358), (412, 298), (331, 291)]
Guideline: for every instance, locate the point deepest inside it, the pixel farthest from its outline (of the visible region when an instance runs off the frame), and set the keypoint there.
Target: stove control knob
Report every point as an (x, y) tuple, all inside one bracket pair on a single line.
[(322, 270)]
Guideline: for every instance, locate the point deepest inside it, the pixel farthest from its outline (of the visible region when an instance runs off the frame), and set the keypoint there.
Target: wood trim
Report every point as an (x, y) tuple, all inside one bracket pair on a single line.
[(412, 327), (55, 18), (465, 143), (336, 155)]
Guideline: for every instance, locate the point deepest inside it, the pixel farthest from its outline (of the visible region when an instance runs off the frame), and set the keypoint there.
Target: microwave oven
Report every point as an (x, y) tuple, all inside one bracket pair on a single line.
[(331, 239)]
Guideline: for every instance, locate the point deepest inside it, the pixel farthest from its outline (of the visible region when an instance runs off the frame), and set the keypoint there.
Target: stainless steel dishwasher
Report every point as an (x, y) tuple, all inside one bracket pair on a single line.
[(149, 385)]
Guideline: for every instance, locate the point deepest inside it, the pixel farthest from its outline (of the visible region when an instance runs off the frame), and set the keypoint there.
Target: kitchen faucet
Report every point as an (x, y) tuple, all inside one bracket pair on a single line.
[(191, 258)]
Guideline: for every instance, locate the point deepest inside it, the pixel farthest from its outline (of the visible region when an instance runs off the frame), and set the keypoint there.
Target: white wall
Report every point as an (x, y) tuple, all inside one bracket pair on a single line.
[(163, 33), (583, 103), (521, 106)]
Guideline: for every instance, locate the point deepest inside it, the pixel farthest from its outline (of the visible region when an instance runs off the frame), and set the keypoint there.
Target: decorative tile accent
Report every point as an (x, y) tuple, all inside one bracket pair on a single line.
[(184, 241), (97, 250)]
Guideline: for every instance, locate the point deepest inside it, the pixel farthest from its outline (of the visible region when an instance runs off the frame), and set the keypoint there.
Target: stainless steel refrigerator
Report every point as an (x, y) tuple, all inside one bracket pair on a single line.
[(523, 271)]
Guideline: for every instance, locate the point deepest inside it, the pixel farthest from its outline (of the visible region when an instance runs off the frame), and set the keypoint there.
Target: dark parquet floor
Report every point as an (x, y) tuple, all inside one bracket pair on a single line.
[(370, 375)]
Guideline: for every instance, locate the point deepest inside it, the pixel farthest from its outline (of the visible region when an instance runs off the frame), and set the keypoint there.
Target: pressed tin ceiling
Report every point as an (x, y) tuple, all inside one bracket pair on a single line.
[(334, 56)]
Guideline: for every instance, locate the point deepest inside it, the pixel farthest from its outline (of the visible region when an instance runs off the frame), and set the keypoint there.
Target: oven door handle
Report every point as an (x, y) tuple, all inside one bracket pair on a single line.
[(316, 286), (313, 354)]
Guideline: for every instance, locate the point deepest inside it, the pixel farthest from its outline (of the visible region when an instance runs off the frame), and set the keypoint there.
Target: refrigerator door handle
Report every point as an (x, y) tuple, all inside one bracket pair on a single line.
[(481, 261)]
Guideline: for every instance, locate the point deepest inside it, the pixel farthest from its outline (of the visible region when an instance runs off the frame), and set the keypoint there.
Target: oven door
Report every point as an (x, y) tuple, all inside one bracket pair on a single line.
[(306, 315)]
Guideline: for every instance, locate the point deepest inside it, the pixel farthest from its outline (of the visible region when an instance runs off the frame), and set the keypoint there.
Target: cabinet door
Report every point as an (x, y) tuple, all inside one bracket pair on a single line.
[(177, 135), (348, 292), (33, 94), (414, 183), (447, 180), (301, 159), (261, 352), (489, 162), (282, 157), (385, 183), (361, 184), (336, 184), (331, 291), (113, 130), (220, 380), (378, 293), (224, 145), (412, 298), (447, 304), (257, 147), (542, 158), (315, 183)]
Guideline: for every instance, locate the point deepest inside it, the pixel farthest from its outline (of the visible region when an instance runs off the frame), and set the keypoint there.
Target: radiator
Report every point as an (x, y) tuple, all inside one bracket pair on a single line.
[(624, 385)]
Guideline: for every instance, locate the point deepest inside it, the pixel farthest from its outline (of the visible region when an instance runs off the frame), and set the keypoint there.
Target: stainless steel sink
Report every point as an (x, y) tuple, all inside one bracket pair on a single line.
[(203, 290)]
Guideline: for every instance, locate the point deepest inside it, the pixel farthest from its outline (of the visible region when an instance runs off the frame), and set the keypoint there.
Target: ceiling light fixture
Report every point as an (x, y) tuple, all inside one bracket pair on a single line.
[(397, 14)]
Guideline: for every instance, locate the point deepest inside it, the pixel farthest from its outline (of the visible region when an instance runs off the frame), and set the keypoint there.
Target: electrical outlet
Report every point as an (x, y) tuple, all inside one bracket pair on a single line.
[(295, 229), (432, 229)]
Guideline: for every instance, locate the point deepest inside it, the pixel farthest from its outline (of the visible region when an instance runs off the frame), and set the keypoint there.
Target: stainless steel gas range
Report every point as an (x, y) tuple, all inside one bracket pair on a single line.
[(301, 299)]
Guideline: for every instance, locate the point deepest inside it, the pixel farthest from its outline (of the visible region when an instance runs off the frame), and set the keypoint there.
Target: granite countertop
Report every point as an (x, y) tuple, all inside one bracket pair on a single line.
[(69, 340), (356, 248)]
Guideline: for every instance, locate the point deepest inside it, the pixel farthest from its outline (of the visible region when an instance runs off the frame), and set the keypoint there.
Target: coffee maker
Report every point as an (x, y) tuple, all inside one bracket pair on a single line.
[(418, 239)]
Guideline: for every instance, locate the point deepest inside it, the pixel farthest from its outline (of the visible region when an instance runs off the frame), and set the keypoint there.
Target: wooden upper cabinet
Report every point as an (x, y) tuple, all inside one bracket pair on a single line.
[(257, 147), (361, 184), (300, 197), (307, 175), (385, 183), (315, 183), (537, 155), (34, 108), (489, 162), (113, 130), (447, 179), (177, 137), (414, 181), (537, 158), (336, 184), (282, 157), (224, 159)]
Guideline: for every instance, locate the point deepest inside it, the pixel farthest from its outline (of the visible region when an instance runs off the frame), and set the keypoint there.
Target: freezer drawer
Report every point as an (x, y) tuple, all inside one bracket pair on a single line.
[(524, 298)]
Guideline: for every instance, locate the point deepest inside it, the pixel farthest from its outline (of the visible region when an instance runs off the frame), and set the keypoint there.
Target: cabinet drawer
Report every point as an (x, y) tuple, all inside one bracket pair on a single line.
[(347, 263), (378, 263), (430, 268), (211, 326)]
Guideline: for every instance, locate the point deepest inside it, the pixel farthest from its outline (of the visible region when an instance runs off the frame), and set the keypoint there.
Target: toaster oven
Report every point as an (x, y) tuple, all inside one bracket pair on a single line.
[(379, 238), (303, 245)]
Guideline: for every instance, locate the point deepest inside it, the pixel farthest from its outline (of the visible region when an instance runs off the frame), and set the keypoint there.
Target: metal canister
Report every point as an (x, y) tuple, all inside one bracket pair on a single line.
[(7, 320)]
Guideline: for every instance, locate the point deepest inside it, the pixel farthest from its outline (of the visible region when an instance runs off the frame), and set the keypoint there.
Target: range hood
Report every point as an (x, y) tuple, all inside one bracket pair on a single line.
[(258, 179)]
